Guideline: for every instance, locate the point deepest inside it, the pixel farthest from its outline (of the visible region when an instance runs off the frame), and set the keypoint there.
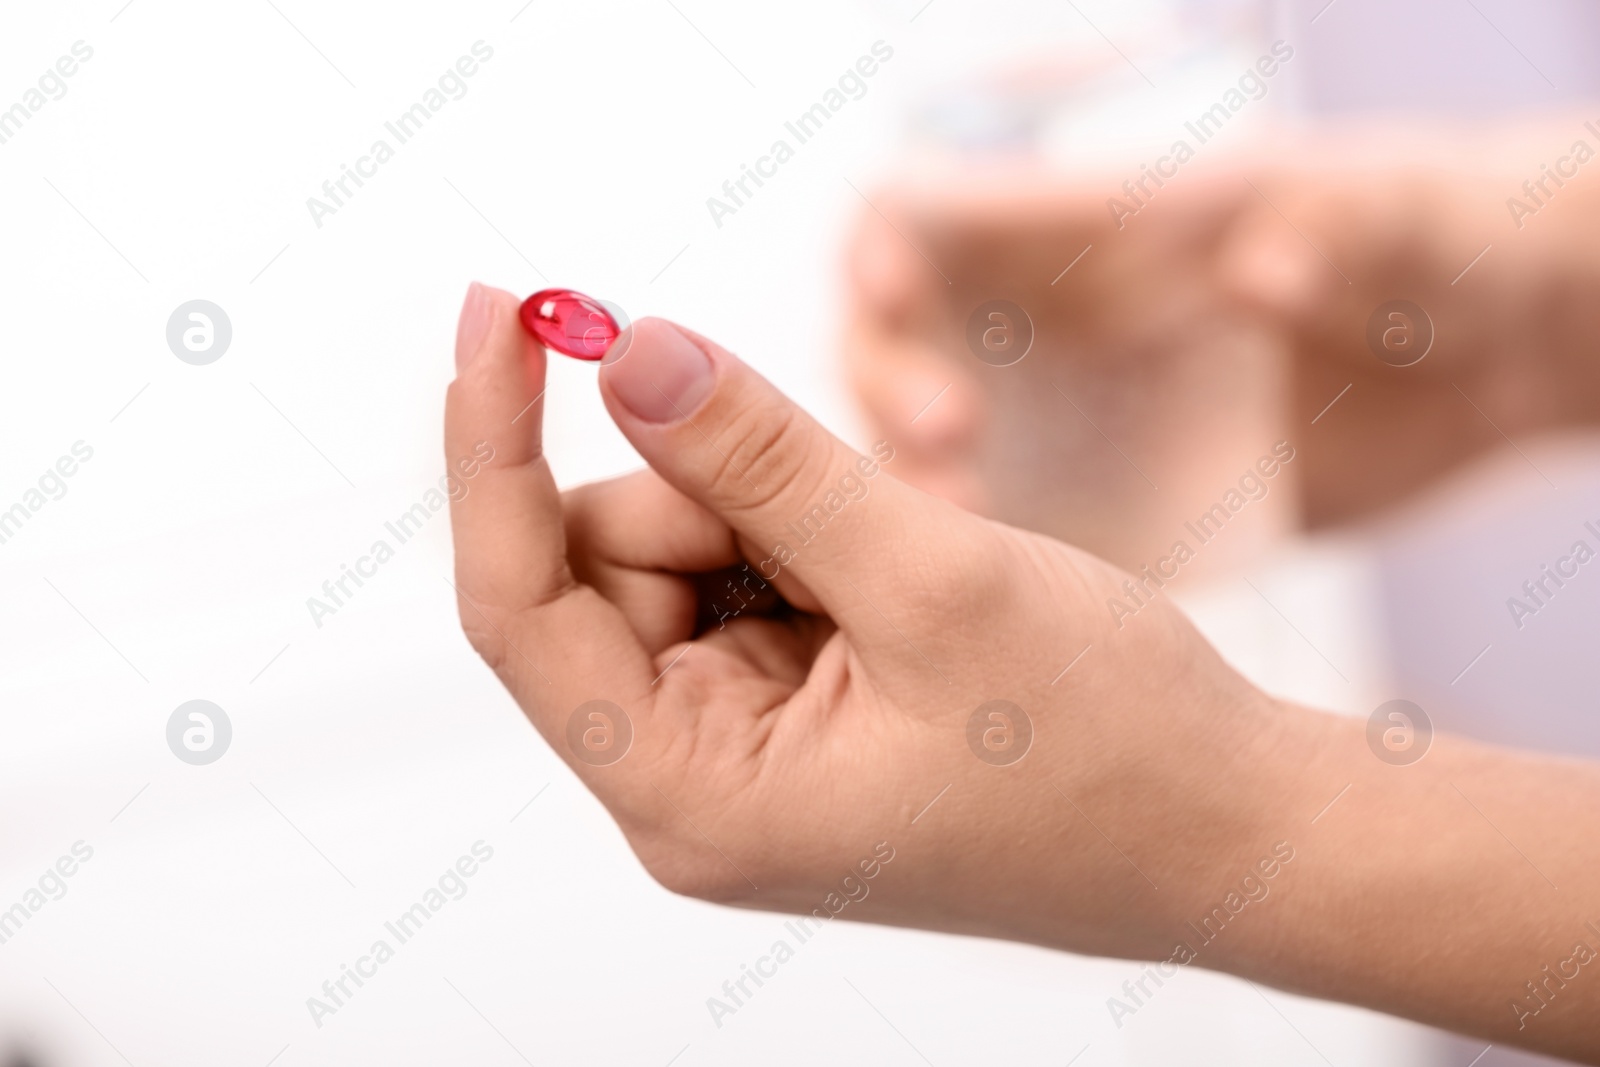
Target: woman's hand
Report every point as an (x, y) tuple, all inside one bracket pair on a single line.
[(779, 746), (780, 668)]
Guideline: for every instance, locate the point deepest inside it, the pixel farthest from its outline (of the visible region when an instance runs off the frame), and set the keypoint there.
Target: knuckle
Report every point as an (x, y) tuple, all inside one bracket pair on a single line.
[(991, 566), (484, 639), (765, 456), (977, 581), (486, 628)]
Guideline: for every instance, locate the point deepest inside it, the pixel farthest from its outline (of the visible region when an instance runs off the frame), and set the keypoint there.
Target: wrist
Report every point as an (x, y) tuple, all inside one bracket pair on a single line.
[(1221, 836), (1429, 890), (1230, 902)]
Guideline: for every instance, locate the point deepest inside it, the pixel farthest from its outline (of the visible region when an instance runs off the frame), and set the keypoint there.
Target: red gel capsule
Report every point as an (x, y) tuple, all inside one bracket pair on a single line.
[(569, 322)]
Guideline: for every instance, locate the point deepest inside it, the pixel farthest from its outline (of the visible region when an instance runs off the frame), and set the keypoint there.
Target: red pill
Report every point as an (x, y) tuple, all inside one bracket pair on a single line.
[(569, 322)]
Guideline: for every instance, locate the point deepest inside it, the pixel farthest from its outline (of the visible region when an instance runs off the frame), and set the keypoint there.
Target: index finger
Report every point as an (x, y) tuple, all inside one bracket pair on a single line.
[(555, 644)]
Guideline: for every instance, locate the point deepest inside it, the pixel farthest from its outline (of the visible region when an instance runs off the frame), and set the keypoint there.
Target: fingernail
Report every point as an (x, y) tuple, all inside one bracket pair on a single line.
[(477, 314), (665, 375)]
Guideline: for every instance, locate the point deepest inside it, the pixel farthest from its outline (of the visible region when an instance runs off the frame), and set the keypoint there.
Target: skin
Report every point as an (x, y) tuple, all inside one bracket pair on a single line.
[(1147, 388), (1511, 354), (1228, 314), (775, 749)]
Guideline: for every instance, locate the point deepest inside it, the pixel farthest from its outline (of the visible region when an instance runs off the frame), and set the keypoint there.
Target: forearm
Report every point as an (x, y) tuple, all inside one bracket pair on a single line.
[(1461, 891)]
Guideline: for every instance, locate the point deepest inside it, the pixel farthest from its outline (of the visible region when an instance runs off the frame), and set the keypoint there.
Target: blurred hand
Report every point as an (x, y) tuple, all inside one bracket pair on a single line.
[(773, 749), (1145, 392), (1360, 220), (1232, 309)]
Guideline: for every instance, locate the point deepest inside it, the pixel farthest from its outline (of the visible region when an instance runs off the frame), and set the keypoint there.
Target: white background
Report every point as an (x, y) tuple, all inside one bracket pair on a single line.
[(369, 753)]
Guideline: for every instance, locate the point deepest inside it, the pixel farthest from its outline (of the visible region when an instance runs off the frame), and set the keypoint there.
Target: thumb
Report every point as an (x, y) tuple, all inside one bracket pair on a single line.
[(831, 517)]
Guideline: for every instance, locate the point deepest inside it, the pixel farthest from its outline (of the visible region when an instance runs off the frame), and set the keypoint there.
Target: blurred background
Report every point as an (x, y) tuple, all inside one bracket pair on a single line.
[(179, 488)]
